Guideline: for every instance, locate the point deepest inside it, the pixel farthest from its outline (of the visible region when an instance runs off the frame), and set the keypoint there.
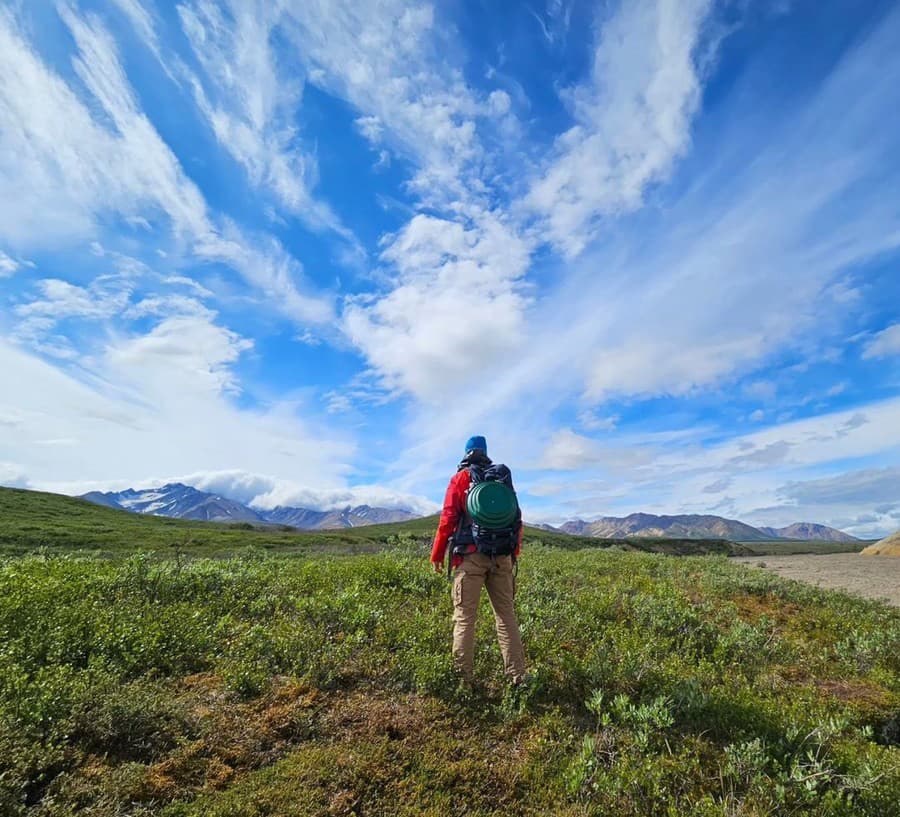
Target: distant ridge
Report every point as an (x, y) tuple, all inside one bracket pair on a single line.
[(181, 501), (697, 526), (810, 530)]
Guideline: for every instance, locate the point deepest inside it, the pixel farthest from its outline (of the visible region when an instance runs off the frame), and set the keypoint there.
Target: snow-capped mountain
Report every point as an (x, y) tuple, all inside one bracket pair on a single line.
[(179, 501), (185, 502)]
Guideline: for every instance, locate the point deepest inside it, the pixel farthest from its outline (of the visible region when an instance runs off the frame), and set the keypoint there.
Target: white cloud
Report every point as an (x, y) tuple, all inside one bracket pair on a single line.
[(7, 265), (53, 190), (61, 299), (674, 366), (371, 128), (158, 404), (190, 283), (568, 451), (704, 301), (499, 102), (145, 162), (266, 493), (270, 269), (143, 23), (555, 27), (711, 302), (251, 105), (105, 297), (590, 421), (180, 357), (13, 476), (761, 390), (885, 344), (758, 416), (771, 476), (167, 305), (456, 309), (633, 118), (394, 63), (860, 488), (62, 170)]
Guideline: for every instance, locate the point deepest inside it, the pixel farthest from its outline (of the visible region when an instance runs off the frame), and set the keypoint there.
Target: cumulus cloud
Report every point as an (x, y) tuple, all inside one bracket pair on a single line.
[(188, 351), (455, 310), (266, 492), (568, 450)]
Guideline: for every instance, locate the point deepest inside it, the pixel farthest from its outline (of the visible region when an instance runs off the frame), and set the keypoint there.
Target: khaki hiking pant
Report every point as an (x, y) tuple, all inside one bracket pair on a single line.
[(476, 571)]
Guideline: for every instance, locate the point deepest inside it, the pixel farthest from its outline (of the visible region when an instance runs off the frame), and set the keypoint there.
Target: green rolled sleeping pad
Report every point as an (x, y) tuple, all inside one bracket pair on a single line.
[(492, 504)]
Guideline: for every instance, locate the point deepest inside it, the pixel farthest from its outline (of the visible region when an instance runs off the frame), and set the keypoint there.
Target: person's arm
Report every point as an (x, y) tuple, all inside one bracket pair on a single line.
[(453, 503)]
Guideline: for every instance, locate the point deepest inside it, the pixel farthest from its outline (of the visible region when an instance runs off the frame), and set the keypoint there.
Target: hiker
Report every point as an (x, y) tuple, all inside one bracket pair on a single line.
[(484, 542)]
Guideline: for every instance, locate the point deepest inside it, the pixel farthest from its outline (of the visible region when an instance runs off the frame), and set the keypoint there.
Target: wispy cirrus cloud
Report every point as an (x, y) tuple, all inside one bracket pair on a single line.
[(75, 170), (7, 265), (251, 105), (51, 190), (632, 117), (886, 343)]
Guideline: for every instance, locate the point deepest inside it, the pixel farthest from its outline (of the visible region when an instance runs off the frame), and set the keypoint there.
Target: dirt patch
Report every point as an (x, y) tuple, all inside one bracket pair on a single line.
[(874, 577), (863, 694), (751, 607)]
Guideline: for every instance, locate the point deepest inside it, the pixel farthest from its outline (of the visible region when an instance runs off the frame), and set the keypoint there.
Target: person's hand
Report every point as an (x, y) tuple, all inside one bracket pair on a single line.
[(438, 567)]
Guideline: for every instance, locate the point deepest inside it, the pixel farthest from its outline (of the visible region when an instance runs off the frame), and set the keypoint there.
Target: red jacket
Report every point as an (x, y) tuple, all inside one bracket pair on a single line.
[(454, 510)]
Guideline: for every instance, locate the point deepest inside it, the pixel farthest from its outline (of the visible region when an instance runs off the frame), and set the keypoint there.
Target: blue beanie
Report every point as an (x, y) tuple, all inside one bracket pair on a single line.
[(476, 442)]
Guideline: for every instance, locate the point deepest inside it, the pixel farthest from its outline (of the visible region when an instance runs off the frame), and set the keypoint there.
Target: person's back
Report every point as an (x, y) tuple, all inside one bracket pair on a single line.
[(481, 555)]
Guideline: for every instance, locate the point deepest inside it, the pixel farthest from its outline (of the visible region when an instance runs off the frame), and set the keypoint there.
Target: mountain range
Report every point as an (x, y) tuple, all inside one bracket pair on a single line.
[(696, 526), (185, 502)]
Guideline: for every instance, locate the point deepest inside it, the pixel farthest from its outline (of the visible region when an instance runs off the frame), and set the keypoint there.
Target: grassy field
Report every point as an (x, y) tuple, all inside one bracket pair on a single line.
[(138, 678)]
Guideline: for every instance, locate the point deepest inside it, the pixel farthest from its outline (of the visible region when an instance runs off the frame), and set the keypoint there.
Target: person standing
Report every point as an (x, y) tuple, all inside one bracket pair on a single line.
[(481, 556)]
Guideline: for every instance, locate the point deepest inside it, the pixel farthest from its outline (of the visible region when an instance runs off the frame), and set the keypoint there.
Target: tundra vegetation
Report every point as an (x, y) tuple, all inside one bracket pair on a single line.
[(157, 667)]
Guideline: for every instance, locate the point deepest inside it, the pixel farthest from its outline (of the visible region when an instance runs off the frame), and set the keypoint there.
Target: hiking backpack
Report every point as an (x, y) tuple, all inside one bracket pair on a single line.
[(492, 506)]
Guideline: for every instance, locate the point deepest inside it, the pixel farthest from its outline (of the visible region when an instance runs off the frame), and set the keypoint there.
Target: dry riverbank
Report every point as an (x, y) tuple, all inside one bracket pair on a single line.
[(875, 577)]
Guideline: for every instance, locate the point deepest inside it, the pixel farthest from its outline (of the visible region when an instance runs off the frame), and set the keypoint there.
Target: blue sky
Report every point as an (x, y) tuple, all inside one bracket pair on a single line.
[(298, 252)]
